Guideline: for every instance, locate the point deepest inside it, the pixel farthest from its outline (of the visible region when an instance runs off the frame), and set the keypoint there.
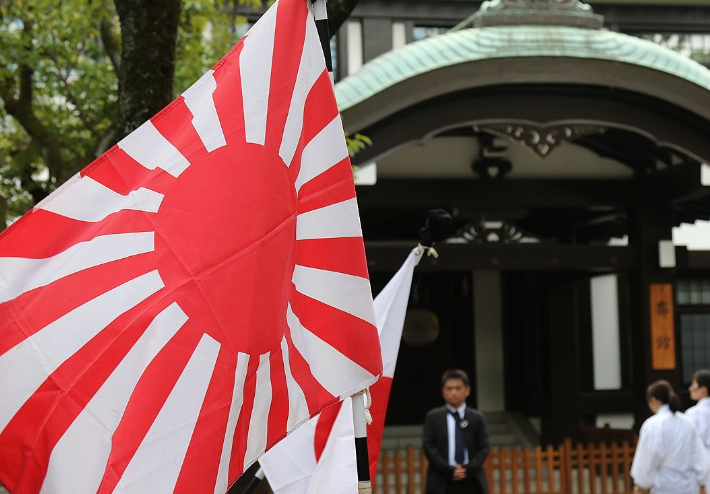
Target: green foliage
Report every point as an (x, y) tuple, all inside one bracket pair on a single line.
[(208, 30), (73, 89), (58, 65), (64, 49), (12, 168), (357, 143)]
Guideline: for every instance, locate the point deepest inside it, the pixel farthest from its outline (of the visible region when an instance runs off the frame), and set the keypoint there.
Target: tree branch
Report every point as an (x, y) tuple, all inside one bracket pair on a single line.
[(82, 116), (108, 140), (111, 43), (48, 144), (21, 109)]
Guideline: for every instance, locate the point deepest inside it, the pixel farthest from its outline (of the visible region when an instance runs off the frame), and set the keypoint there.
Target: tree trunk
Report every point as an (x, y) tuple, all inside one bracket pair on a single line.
[(338, 12), (3, 213), (145, 75)]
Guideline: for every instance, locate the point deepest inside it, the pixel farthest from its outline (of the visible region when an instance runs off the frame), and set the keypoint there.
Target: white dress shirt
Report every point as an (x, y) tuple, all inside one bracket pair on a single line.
[(670, 458), (451, 430), (700, 416)]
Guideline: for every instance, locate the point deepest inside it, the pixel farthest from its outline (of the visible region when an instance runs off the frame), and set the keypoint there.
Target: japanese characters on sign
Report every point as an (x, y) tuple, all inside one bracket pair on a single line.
[(662, 327)]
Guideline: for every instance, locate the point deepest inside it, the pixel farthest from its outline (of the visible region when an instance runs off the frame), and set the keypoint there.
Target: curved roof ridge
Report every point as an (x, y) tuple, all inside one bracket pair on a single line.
[(475, 44)]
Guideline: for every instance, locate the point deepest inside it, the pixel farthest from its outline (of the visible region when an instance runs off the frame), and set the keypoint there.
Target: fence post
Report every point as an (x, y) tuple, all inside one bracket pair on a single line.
[(627, 466), (410, 469), (580, 469), (566, 466), (385, 472), (398, 472), (526, 469), (423, 463), (615, 467), (538, 468), (502, 466), (514, 460), (489, 465), (603, 467), (592, 468), (551, 469)]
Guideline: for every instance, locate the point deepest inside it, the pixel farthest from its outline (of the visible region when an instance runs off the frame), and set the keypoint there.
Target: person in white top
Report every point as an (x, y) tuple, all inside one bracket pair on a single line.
[(700, 413), (670, 458)]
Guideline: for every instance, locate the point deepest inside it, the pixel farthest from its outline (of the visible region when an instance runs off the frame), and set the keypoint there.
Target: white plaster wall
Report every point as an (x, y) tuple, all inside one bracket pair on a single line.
[(355, 55), (399, 35), (605, 332), (616, 420)]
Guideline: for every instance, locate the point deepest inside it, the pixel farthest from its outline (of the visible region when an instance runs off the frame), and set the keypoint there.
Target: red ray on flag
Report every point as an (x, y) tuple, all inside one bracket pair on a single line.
[(319, 457), (194, 294)]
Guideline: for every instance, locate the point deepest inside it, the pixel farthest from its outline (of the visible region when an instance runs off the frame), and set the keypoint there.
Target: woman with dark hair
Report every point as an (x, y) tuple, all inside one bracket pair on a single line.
[(700, 413), (670, 458)]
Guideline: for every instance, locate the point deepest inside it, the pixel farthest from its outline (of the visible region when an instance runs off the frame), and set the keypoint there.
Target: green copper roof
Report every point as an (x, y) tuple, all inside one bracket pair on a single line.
[(470, 45)]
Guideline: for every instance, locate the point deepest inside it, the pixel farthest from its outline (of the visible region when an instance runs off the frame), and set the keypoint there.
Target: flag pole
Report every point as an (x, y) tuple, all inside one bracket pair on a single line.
[(320, 13), (364, 484), (254, 481), (438, 227)]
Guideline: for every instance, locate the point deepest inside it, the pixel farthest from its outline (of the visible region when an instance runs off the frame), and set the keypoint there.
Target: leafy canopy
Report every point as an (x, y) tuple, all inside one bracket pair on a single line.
[(59, 85)]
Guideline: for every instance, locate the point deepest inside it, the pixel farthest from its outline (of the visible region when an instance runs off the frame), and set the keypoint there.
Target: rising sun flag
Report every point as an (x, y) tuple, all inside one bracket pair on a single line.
[(194, 294)]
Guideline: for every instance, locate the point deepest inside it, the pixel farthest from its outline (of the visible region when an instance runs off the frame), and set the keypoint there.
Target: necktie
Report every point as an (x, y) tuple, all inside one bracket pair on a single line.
[(458, 439)]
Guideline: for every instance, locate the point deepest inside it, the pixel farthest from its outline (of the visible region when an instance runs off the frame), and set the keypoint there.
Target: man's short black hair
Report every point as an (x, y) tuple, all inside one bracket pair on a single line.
[(702, 377), (455, 374)]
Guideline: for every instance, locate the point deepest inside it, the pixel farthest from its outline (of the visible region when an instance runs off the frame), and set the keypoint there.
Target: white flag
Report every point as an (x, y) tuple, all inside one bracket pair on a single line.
[(320, 456)]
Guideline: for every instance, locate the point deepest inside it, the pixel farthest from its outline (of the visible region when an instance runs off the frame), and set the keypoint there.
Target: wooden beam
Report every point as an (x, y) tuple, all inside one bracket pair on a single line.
[(438, 193), (390, 126), (697, 260), (602, 219), (606, 402), (388, 256), (680, 183)]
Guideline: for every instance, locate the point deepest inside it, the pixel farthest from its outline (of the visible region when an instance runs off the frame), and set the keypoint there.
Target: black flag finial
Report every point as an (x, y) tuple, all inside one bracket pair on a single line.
[(438, 226), (320, 13)]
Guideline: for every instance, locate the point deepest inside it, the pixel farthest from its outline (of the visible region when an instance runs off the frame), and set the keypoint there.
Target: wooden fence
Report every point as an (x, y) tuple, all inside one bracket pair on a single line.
[(568, 469)]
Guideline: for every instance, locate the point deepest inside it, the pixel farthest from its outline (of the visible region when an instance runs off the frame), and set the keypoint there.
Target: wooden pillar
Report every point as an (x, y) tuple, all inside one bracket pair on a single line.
[(488, 328), (376, 37), (653, 335), (561, 416)]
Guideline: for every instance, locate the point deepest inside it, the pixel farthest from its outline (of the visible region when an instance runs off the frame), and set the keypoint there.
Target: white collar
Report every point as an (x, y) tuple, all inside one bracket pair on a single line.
[(665, 409), (459, 410), (704, 402)]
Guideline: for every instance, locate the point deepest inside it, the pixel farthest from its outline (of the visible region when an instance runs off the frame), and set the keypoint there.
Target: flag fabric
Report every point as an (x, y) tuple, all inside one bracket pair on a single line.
[(195, 293), (320, 456)]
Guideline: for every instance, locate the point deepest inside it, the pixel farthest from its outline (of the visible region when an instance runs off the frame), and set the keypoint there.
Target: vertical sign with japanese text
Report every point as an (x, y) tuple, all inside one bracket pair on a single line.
[(662, 327)]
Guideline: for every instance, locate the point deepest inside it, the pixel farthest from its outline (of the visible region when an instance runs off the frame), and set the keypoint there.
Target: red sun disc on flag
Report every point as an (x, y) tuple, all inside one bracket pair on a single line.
[(196, 292)]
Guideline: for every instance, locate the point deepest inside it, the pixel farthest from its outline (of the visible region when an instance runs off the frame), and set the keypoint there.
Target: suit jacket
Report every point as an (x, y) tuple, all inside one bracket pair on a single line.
[(436, 449)]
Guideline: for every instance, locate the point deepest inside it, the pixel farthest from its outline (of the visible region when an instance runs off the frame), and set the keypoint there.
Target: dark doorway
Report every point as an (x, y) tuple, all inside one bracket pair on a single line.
[(416, 386)]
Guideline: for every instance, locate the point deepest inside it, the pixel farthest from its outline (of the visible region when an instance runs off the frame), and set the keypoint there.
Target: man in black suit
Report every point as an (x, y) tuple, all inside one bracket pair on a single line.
[(455, 441)]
